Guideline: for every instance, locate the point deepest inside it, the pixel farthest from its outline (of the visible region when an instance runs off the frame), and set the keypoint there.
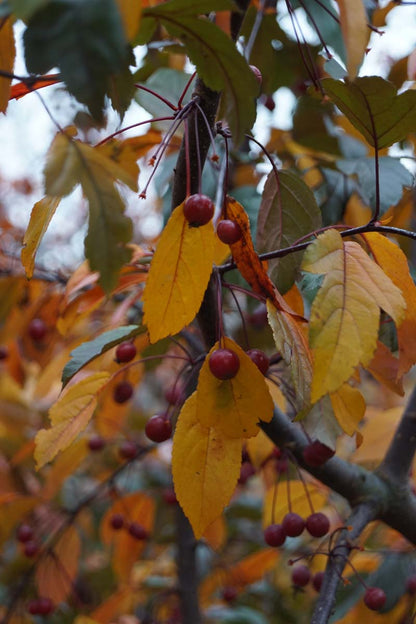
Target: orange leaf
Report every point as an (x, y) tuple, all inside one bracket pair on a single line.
[(137, 507), (355, 32), (56, 570), (394, 264), (64, 466), (178, 276), (7, 55), (21, 89), (233, 406), (377, 432), (205, 468), (349, 408), (118, 603), (385, 367), (40, 218), (252, 568), (131, 11), (245, 256)]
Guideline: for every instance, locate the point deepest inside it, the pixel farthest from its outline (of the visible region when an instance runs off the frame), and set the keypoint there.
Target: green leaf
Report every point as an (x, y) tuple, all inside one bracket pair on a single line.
[(288, 211), (170, 83), (334, 195), (185, 8), (374, 108), (24, 9), (393, 177), (85, 40), (86, 352), (218, 63)]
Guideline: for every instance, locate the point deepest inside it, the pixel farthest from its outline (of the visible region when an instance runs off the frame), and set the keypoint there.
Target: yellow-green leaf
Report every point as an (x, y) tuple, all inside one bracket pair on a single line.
[(205, 467), (355, 32), (69, 416), (236, 405), (178, 276), (290, 339), (7, 55), (40, 218), (345, 313)]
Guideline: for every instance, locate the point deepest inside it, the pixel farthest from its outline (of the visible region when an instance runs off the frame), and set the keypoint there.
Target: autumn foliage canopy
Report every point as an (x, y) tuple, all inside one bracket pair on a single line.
[(210, 417)]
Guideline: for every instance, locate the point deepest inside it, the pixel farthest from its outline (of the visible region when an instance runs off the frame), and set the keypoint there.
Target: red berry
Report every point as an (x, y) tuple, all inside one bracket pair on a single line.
[(260, 359), (317, 453), (24, 533), (158, 429), (198, 210), (293, 524), (374, 598), (138, 531), (4, 352), (269, 103), (246, 471), (282, 464), (37, 329), (125, 352), (169, 496), (117, 521), (277, 452), (411, 585), (229, 593), (96, 443), (317, 524), (175, 395), (128, 449), (257, 73), (301, 576), (229, 232), (317, 581), (224, 364), (31, 548), (33, 606), (274, 535), (123, 391), (258, 318), (45, 606)]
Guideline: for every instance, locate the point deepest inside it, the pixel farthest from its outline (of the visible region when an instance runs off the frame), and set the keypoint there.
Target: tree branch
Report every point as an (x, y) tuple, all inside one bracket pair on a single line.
[(337, 560)]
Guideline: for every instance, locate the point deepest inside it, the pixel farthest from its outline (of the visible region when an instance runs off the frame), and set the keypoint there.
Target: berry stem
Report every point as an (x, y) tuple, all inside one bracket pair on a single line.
[(157, 95), (184, 92)]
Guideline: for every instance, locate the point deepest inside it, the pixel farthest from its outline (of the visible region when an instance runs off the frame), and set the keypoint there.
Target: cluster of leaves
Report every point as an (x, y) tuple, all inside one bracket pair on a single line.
[(314, 281)]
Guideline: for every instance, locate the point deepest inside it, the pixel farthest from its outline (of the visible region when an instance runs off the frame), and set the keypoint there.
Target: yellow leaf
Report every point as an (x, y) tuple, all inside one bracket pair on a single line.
[(394, 263), (276, 501), (216, 534), (291, 342), (84, 619), (64, 466), (345, 313), (377, 432), (178, 276), (205, 468), (236, 405), (40, 218), (56, 570), (126, 549), (69, 416), (355, 33), (7, 55), (123, 154), (131, 11), (349, 408), (259, 449)]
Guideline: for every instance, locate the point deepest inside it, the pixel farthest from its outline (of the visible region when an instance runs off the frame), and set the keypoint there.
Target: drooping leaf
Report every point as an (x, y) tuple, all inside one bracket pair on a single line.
[(40, 217), (137, 507), (392, 260), (87, 351), (57, 569), (345, 313), (349, 407), (178, 276), (276, 504), (69, 416), (355, 32), (205, 467), (234, 406), (85, 40), (7, 55), (291, 342), (219, 64), (393, 177), (374, 108), (288, 211)]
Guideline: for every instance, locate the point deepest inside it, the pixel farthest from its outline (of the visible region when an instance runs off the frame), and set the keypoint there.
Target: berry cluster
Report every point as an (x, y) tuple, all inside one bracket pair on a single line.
[(135, 529), (317, 524)]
